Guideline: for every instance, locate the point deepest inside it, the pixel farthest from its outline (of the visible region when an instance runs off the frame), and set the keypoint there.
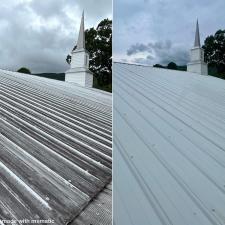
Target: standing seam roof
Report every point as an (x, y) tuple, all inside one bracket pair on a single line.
[(169, 147)]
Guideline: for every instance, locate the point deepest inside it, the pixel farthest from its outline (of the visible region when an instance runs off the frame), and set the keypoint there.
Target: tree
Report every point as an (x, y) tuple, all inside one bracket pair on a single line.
[(214, 47), (172, 66), (24, 70), (99, 44)]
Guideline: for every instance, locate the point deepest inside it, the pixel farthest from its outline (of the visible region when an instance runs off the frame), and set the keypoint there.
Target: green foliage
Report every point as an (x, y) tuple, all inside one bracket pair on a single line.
[(24, 70), (172, 66), (107, 87), (99, 44), (214, 47), (159, 66), (182, 68), (55, 76)]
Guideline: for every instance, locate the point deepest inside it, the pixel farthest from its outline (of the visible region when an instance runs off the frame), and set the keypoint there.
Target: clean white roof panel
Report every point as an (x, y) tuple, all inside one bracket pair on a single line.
[(169, 147)]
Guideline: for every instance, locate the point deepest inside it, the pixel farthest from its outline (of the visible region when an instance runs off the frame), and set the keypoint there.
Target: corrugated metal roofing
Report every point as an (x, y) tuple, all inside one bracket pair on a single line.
[(99, 211), (169, 147), (55, 147)]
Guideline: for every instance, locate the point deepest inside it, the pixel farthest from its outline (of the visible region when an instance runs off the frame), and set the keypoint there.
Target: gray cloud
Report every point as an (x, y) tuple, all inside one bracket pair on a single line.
[(159, 52), (178, 55), (49, 8), (150, 47), (39, 34), (137, 48)]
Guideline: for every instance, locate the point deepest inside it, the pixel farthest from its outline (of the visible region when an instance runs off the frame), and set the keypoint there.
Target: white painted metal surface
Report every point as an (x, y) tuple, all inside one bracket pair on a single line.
[(169, 147)]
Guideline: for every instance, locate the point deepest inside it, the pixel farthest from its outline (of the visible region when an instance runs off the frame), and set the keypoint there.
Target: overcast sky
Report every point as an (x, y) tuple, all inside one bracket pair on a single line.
[(39, 34), (160, 31)]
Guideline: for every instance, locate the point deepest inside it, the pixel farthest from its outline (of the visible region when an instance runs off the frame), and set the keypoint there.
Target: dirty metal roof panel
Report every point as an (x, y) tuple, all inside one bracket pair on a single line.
[(169, 147), (99, 211), (55, 147)]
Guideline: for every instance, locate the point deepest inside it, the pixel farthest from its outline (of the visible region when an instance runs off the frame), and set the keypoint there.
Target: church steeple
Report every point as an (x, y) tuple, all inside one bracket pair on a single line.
[(81, 37), (79, 72), (197, 64), (197, 36)]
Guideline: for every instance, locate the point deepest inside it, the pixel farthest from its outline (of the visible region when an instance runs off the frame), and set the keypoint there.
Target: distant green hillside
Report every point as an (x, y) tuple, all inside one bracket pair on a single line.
[(55, 76), (212, 69), (61, 76), (173, 67)]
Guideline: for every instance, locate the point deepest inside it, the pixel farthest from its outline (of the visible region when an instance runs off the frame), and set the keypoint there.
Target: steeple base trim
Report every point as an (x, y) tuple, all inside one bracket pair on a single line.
[(198, 67), (197, 64), (80, 76)]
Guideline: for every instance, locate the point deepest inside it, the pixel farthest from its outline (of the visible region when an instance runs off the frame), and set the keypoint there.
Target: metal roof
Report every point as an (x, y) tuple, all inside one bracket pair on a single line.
[(169, 147), (99, 211), (55, 147)]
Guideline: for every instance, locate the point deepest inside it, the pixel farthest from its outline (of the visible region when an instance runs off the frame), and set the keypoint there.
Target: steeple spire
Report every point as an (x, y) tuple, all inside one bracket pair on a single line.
[(197, 36), (81, 37), (197, 63)]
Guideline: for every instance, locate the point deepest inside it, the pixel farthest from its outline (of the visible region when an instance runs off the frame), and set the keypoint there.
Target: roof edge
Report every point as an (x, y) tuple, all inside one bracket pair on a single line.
[(135, 64)]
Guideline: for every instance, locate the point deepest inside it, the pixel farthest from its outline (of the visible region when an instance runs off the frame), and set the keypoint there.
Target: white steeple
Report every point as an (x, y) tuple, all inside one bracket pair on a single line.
[(79, 72), (197, 64)]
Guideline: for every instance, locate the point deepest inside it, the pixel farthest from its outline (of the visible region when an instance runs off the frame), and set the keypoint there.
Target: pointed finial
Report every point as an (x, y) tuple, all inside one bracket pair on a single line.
[(81, 37), (197, 36)]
